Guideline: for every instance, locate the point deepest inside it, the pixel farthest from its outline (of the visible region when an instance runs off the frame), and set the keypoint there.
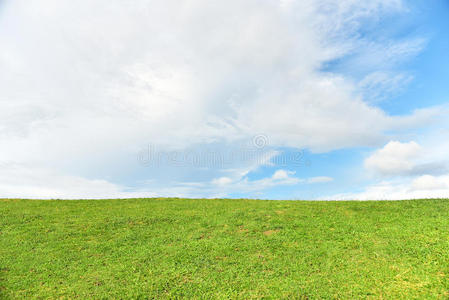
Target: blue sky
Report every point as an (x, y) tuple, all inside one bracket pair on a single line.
[(273, 99)]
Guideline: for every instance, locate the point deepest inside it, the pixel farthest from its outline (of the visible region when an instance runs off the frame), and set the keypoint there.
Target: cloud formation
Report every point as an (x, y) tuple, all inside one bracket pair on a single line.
[(421, 187), (85, 84), (397, 158), (406, 170)]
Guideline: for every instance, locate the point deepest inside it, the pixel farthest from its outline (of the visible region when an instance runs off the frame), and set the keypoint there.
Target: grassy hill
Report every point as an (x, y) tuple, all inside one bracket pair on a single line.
[(168, 248)]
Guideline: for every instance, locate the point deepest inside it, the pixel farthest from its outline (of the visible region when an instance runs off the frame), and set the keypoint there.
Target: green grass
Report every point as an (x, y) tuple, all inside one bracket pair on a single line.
[(173, 248)]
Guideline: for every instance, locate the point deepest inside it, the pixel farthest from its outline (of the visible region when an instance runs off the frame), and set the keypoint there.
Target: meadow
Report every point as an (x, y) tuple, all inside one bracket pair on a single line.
[(222, 248)]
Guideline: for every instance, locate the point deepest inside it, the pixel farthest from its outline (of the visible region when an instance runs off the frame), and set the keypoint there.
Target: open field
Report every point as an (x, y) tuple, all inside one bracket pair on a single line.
[(168, 248)]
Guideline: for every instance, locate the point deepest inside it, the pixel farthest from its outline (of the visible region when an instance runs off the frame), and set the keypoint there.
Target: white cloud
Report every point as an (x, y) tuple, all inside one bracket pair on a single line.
[(233, 69), (35, 183), (380, 85), (428, 182), (394, 158), (397, 158), (407, 171), (243, 184), (422, 187), (87, 83), (27, 181), (282, 174)]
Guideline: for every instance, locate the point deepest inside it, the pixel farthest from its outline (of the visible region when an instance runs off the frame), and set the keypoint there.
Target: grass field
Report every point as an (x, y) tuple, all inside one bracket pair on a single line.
[(172, 248)]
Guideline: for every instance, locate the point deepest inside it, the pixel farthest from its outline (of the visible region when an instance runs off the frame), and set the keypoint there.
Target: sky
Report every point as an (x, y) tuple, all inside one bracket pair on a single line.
[(266, 99)]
